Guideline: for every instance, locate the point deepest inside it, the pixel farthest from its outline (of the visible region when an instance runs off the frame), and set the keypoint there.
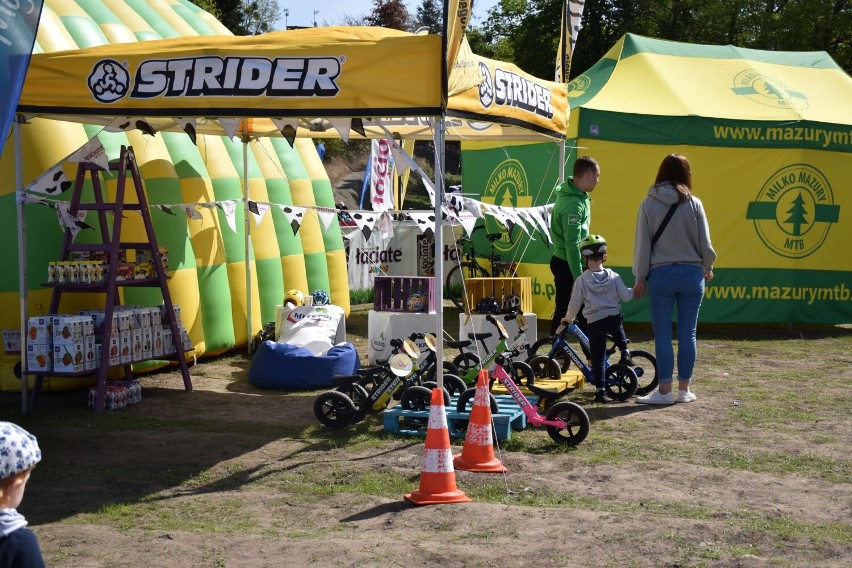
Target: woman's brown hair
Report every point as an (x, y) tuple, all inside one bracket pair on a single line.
[(675, 169)]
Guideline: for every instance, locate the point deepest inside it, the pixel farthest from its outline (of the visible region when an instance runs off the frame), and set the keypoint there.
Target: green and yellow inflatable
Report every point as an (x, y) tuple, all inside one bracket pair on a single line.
[(207, 259)]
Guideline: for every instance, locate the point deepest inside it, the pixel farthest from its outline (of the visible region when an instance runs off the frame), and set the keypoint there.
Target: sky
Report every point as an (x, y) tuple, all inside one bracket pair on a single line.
[(331, 12)]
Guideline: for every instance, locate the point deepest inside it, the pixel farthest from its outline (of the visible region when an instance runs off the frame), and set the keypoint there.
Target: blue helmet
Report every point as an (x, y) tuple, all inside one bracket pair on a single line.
[(488, 305), (321, 297)]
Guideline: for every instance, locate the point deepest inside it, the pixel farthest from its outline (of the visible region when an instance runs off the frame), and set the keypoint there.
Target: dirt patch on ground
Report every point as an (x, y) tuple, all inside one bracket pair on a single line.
[(755, 473)]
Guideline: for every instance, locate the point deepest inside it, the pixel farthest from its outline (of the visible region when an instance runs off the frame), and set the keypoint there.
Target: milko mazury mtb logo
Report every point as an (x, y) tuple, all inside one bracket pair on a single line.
[(213, 76), (506, 187), (794, 211), (766, 90)]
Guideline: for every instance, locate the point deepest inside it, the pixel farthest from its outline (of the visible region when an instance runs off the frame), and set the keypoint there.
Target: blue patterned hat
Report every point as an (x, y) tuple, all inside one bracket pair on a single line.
[(18, 450)]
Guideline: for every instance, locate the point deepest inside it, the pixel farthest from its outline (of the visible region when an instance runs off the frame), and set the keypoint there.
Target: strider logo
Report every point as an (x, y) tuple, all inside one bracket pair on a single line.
[(512, 90), (212, 76)]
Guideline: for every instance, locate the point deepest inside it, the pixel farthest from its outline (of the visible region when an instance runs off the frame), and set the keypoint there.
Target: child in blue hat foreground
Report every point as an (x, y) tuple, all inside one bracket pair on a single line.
[(19, 453)]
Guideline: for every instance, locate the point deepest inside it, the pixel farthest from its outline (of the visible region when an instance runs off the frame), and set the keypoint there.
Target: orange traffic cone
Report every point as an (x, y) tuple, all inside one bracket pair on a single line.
[(478, 451), (437, 479)]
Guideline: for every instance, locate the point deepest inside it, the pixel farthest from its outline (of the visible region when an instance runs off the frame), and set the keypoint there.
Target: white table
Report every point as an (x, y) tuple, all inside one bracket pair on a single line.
[(478, 324), (384, 326)]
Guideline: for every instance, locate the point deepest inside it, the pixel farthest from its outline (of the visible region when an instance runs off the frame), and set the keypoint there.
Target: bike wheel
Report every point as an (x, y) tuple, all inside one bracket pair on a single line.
[(576, 423), (334, 409), (454, 286), (464, 362), (645, 367), (449, 369), (360, 398), (454, 385), (620, 382), (522, 373), (545, 368), (417, 397), (465, 401), (544, 346)]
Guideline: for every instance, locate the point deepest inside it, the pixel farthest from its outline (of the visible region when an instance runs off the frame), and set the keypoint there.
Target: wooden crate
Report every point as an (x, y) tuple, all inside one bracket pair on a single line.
[(478, 288), (391, 293)]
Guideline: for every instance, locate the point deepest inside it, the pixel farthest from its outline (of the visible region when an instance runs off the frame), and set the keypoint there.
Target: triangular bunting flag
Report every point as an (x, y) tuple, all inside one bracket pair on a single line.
[(430, 187), (259, 211), (188, 126), (91, 152), (365, 221), (125, 123), (191, 212), (474, 207), (73, 223), (327, 216), (52, 182), (294, 216), (230, 125), (166, 209), (358, 126), (424, 219), (287, 127), (385, 226), (229, 208), (342, 125), (468, 221)]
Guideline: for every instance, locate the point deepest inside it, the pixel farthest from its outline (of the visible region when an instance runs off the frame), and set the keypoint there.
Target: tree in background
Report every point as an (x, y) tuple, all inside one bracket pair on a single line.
[(259, 16), (389, 14), (525, 32), (430, 15)]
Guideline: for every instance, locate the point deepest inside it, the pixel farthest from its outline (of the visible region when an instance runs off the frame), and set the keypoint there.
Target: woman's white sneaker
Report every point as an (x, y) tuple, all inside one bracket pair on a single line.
[(655, 397), (685, 396)]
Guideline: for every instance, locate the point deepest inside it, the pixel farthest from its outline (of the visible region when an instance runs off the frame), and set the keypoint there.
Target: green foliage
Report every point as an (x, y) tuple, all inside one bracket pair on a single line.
[(389, 14), (526, 32), (429, 15)]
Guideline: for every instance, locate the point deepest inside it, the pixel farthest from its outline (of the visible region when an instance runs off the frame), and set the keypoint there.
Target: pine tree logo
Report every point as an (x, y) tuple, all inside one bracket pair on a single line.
[(766, 90), (794, 211), (508, 187)]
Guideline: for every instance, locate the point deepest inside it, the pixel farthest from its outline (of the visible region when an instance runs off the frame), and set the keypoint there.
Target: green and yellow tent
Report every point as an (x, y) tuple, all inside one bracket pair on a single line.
[(769, 137)]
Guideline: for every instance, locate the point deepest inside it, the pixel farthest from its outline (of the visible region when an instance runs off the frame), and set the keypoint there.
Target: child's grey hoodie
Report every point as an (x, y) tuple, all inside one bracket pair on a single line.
[(600, 293)]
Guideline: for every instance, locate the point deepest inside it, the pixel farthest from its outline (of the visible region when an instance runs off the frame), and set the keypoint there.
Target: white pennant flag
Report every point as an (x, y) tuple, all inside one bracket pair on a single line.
[(474, 207), (230, 125), (342, 125), (385, 226), (424, 219), (125, 123), (496, 212), (93, 152), (191, 212), (259, 211), (327, 216), (513, 215), (230, 210), (430, 187), (73, 223), (52, 182), (539, 215), (526, 222), (364, 220), (294, 215), (468, 221)]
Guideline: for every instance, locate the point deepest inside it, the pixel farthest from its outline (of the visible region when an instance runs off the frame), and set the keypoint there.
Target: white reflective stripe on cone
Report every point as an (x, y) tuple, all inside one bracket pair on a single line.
[(438, 461), (478, 434), (437, 419)]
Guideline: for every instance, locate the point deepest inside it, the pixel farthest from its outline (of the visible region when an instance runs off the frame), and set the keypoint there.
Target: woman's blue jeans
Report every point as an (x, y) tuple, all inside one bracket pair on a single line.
[(670, 287)]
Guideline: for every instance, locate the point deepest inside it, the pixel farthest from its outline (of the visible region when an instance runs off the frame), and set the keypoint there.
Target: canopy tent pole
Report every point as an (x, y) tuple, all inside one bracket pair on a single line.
[(22, 255), (246, 230), (439, 248)]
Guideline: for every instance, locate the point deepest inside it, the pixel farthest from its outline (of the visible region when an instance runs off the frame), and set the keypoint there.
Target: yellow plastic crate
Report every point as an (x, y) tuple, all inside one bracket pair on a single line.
[(499, 288)]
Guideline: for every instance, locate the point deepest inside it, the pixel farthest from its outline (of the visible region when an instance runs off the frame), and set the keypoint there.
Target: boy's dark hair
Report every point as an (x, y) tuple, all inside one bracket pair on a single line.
[(583, 165)]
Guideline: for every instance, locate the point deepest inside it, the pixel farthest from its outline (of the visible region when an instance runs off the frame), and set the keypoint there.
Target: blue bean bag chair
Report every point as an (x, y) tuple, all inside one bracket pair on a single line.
[(284, 366)]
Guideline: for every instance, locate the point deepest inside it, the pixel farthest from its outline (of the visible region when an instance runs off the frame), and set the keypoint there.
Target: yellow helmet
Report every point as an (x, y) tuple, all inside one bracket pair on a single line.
[(295, 297)]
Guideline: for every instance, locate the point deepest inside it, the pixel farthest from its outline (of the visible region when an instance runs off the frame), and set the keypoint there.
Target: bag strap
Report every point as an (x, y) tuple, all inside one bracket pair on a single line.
[(664, 223)]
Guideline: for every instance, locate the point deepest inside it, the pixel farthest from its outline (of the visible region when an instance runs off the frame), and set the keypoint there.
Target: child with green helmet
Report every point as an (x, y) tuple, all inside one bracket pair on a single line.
[(599, 291)]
